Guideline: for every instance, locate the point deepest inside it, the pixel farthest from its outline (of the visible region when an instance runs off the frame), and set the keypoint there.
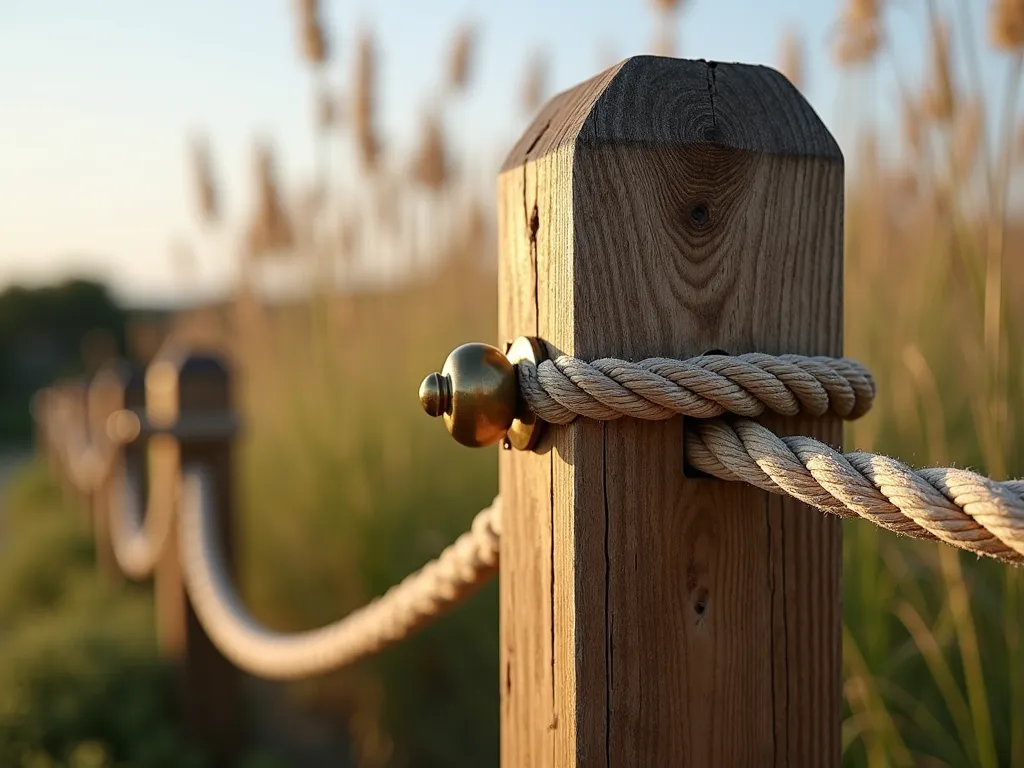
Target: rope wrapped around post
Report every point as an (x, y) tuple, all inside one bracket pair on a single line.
[(954, 506), (560, 390)]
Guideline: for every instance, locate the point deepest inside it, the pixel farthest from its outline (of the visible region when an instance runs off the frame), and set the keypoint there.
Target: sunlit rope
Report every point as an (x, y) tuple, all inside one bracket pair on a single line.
[(422, 597), (562, 389), (955, 506)]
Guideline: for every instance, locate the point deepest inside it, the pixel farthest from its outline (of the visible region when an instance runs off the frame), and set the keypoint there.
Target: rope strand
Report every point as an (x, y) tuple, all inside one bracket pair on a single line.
[(702, 387), (139, 541), (956, 506), (423, 596)]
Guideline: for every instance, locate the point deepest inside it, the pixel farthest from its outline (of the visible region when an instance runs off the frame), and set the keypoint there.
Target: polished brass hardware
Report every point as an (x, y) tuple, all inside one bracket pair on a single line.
[(477, 394), (526, 427)]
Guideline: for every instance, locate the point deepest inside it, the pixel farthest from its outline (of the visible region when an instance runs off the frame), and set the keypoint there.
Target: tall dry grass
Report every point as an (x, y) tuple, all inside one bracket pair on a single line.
[(932, 638), (347, 486)]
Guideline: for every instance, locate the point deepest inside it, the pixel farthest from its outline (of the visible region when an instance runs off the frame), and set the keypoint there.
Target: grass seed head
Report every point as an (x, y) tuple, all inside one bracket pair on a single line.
[(206, 187), (460, 57), (1006, 24), (311, 31), (365, 101), (791, 57), (862, 11), (534, 83), (430, 167), (857, 43), (270, 228), (940, 95)]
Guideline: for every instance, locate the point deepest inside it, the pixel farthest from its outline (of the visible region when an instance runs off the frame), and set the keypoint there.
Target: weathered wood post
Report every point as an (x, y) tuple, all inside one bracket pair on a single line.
[(70, 407), (106, 396), (190, 394), (648, 618), (41, 408), (136, 452)]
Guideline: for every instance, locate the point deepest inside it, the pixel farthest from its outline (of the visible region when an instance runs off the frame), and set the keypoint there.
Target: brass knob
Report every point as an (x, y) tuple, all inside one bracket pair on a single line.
[(477, 394)]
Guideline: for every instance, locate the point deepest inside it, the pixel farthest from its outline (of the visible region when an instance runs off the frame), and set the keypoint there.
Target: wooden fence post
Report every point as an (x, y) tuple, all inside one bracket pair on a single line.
[(42, 409), (192, 394), (650, 618), (106, 395), (67, 401)]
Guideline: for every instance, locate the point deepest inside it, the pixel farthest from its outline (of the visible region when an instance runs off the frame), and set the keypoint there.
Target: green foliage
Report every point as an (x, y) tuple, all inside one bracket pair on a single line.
[(37, 573), (89, 674), (80, 681), (29, 495), (70, 308)]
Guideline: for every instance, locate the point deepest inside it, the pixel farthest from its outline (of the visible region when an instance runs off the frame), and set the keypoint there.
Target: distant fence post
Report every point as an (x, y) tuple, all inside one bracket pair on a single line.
[(136, 453), (68, 401), (650, 617), (41, 407), (192, 395), (106, 395)]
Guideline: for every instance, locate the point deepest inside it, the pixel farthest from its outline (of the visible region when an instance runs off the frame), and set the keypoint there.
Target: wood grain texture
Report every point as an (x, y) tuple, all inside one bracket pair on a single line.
[(525, 578), (648, 618)]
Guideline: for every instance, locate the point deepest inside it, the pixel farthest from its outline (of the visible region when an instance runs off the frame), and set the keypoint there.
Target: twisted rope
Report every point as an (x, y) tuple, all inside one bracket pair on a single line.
[(956, 506), (702, 387), (87, 464), (140, 541), (413, 603)]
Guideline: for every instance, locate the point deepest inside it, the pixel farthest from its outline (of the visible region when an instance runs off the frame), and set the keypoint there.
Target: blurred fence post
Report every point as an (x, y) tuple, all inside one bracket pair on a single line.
[(70, 403), (191, 394), (135, 454), (648, 616), (106, 396), (41, 409)]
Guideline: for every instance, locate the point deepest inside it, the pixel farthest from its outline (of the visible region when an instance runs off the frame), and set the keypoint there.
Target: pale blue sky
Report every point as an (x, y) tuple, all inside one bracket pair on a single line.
[(97, 99)]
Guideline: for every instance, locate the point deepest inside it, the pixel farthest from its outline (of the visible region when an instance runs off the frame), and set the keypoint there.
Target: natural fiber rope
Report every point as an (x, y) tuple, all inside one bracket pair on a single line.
[(702, 387), (951, 505), (87, 465), (955, 506), (139, 541), (415, 602)]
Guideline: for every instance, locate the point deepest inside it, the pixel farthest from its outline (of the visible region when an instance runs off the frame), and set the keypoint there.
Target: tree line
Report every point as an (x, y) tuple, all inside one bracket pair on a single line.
[(50, 332)]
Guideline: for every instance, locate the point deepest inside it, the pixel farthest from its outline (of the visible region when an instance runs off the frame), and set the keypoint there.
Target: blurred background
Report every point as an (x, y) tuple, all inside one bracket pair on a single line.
[(302, 184)]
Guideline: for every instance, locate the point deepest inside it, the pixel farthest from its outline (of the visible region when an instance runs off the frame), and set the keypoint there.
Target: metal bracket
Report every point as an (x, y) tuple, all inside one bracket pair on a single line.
[(526, 428)]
